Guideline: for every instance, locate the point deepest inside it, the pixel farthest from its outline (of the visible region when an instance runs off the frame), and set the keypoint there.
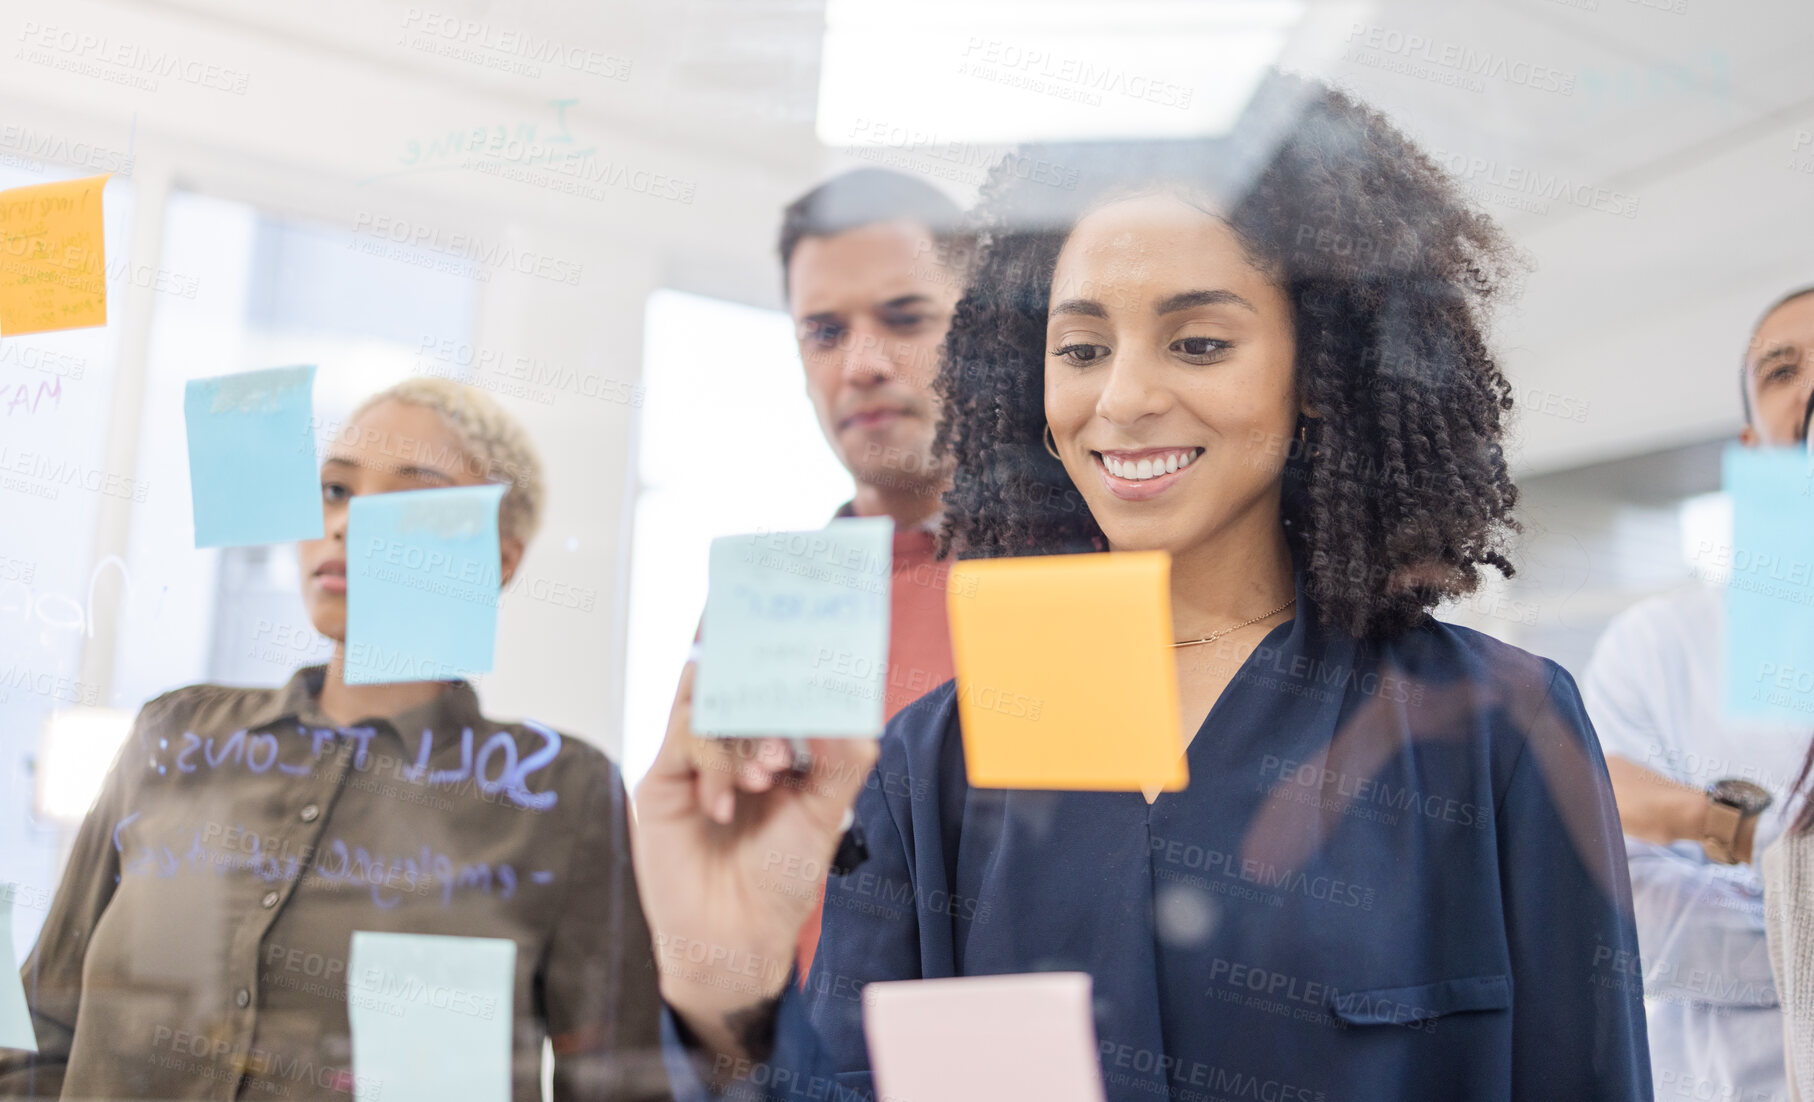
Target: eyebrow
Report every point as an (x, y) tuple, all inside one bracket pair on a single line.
[(1085, 307), (407, 470), (1186, 300), (1190, 299), (410, 470), (1777, 352), (904, 302)]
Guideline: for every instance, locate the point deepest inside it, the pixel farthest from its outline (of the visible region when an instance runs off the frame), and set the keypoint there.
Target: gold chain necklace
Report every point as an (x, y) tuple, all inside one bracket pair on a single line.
[(1214, 635)]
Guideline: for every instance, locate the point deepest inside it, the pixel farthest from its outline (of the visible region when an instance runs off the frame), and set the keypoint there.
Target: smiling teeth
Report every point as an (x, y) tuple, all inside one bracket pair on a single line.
[(1147, 468)]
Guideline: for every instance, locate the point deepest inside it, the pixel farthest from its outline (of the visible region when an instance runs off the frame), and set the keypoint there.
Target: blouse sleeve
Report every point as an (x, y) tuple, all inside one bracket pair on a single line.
[(1695, 918), (598, 981), (1578, 1014), (52, 974)]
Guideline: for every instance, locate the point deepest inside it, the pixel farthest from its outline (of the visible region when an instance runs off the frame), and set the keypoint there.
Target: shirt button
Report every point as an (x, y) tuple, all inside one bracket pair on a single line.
[(243, 997), (270, 900), (310, 813)]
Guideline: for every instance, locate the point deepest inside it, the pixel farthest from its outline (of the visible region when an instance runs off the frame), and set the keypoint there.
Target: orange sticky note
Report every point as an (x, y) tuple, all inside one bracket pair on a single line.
[(53, 268), (1065, 675)]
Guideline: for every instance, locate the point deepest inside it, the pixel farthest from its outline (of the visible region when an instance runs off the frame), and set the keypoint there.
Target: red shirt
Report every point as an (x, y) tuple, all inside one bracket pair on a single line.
[(919, 637)]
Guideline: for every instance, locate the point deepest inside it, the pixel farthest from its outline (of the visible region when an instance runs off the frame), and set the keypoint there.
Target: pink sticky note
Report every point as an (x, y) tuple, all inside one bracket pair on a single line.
[(979, 1038)]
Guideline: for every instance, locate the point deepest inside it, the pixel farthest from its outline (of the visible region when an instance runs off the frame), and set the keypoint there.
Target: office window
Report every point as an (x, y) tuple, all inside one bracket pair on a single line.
[(728, 443), (56, 398)]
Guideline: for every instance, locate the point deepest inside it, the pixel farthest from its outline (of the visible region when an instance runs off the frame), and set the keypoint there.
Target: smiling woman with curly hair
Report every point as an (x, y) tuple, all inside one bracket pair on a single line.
[(1396, 872), (1395, 488)]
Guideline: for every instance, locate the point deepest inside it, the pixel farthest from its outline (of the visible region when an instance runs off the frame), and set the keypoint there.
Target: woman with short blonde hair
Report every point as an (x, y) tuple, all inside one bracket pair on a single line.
[(201, 933)]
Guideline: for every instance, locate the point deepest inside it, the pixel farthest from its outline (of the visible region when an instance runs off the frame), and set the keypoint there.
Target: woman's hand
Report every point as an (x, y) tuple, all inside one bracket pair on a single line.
[(731, 842)]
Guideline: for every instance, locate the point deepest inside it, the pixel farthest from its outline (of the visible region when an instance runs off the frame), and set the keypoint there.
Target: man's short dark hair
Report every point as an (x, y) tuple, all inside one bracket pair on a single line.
[(864, 197), (1744, 363)]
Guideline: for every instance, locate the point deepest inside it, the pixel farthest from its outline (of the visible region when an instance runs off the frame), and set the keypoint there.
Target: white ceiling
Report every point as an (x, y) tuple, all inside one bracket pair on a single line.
[(1629, 327)]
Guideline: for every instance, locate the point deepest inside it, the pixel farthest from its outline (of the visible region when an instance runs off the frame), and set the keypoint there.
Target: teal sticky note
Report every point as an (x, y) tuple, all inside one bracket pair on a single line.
[(252, 473), (795, 636), (422, 584), (431, 1016), (1770, 591), (15, 1017)]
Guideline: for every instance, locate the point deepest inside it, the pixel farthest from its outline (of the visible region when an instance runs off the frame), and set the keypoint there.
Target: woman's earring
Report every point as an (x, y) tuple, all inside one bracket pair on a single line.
[(1051, 448), (1305, 448)]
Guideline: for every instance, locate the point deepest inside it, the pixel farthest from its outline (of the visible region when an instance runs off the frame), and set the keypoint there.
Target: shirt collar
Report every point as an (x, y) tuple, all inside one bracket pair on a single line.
[(300, 701)]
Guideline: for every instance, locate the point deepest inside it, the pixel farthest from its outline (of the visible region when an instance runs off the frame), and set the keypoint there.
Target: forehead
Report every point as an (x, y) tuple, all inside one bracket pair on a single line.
[(862, 267), (395, 430), (1150, 239), (1791, 324)]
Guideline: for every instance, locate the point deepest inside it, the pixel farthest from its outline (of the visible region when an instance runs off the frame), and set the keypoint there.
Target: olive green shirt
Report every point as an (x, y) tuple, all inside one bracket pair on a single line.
[(197, 946)]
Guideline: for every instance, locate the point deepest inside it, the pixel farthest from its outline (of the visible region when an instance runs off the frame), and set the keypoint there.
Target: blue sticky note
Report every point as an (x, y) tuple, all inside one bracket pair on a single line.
[(431, 1016), (1770, 593), (252, 473), (795, 637), (15, 1018), (422, 584)]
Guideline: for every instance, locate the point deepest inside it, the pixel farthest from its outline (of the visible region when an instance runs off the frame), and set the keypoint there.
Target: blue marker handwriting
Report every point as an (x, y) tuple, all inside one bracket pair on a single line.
[(426, 873), (798, 606), (493, 768)]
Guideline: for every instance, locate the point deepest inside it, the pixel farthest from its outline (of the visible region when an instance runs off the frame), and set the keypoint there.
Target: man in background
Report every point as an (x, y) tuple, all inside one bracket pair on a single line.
[(1700, 795), (872, 264)]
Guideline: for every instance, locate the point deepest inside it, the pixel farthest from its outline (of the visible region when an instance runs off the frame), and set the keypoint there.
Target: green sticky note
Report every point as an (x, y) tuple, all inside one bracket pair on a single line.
[(252, 473), (422, 584), (431, 1016), (15, 1017), (795, 637), (1770, 593)]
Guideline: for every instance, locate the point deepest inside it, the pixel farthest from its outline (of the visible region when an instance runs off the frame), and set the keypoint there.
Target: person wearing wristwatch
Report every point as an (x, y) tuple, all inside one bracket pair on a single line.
[(1733, 806), (1701, 795)]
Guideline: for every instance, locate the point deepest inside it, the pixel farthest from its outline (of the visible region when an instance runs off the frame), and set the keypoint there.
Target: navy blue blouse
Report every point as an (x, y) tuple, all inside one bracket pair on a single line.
[(1397, 873)]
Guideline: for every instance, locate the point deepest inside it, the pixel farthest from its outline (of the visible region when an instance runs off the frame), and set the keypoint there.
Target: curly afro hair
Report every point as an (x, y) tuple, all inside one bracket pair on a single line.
[(1400, 492)]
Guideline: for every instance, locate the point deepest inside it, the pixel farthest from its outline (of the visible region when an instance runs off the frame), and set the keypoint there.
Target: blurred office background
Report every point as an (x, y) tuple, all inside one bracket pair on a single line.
[(385, 189)]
